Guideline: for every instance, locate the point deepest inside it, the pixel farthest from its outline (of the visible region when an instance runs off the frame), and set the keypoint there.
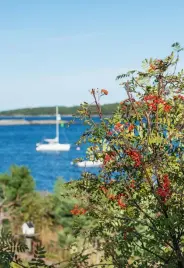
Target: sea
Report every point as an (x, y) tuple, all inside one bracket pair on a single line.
[(18, 147)]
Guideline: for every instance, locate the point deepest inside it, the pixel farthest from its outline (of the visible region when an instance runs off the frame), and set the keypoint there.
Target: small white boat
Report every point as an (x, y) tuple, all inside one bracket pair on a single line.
[(88, 164), (53, 145)]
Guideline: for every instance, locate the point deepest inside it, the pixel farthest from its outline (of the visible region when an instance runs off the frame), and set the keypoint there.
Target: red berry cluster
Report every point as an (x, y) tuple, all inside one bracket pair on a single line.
[(108, 157), (109, 133), (131, 127), (156, 65), (152, 102), (164, 190), (132, 184), (104, 189), (78, 211), (104, 91), (120, 201), (135, 156), (113, 197), (167, 107), (118, 127)]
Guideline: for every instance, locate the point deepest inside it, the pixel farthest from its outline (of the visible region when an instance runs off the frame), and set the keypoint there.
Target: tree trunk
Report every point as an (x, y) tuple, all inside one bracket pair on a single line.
[(178, 252)]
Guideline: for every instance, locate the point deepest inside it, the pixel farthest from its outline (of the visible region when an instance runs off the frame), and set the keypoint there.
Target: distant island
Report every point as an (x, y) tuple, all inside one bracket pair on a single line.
[(107, 109)]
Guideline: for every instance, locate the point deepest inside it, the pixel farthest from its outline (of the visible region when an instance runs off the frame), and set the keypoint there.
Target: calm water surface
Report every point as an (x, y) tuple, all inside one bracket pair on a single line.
[(18, 143)]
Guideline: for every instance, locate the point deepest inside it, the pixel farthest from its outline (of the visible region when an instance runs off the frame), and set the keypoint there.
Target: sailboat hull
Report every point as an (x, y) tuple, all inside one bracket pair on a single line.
[(56, 147), (89, 164)]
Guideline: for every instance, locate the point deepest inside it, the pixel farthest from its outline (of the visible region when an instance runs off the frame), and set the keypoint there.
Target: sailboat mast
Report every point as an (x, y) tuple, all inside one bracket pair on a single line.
[(57, 125)]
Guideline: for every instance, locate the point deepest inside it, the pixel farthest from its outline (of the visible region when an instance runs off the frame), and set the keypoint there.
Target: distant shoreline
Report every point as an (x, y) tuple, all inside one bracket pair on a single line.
[(44, 115), (37, 116), (22, 122)]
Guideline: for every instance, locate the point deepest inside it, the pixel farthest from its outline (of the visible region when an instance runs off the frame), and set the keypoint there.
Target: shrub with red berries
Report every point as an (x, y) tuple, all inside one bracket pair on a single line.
[(137, 197)]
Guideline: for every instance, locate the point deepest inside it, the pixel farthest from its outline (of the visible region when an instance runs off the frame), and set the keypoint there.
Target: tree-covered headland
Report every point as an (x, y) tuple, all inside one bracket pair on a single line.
[(107, 110)]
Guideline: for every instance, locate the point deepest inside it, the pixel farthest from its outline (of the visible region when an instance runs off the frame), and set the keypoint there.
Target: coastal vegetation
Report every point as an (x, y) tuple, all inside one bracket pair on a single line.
[(50, 213), (131, 213), (50, 111)]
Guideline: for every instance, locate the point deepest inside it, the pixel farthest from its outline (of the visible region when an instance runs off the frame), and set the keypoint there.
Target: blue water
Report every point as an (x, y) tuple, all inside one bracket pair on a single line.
[(18, 143)]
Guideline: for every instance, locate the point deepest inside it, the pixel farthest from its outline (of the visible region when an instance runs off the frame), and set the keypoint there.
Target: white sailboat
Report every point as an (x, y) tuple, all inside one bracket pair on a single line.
[(53, 145)]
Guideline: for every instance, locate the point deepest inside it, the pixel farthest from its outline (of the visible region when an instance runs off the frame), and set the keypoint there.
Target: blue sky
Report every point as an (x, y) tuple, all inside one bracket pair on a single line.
[(52, 52)]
